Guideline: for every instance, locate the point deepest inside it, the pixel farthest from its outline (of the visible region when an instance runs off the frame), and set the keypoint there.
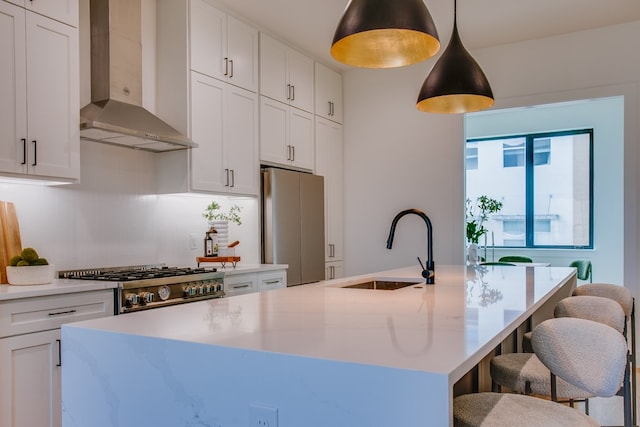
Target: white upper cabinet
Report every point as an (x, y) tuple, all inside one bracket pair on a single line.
[(61, 10), (39, 120), (328, 93), (218, 116), (224, 125), (222, 46), (286, 135), (286, 75)]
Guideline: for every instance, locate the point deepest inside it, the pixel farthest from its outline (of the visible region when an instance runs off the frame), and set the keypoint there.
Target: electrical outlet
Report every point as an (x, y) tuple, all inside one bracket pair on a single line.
[(262, 416), (193, 241)]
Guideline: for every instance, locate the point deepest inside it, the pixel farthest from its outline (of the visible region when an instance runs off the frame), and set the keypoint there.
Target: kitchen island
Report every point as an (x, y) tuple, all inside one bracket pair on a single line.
[(312, 355)]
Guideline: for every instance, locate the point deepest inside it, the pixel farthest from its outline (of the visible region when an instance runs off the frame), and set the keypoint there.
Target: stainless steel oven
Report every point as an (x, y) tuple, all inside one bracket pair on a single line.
[(145, 287)]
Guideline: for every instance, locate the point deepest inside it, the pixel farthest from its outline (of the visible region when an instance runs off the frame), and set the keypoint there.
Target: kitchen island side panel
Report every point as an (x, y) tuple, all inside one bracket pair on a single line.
[(114, 379)]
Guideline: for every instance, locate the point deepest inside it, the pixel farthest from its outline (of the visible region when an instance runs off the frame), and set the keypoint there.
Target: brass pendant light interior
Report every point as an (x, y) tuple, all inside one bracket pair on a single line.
[(456, 84), (385, 34)]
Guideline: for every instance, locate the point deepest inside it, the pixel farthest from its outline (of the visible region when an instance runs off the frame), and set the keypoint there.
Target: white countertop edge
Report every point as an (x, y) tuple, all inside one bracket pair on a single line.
[(56, 287), (251, 268)]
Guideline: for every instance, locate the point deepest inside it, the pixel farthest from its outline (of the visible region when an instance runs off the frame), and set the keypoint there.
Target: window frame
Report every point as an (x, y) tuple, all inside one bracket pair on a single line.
[(529, 166)]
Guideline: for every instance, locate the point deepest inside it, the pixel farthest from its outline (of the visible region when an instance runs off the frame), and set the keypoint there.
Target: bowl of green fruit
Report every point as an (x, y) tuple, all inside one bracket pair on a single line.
[(28, 268)]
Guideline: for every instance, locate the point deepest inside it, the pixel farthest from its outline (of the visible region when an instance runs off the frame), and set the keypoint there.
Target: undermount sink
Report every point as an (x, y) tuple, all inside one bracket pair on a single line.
[(380, 284)]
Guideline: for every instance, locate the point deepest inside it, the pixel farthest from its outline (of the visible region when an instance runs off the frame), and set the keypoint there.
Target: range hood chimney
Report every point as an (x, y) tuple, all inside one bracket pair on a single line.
[(115, 115)]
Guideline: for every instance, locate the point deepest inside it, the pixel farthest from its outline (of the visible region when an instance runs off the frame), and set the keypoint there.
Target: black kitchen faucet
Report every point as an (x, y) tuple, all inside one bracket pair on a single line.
[(429, 269)]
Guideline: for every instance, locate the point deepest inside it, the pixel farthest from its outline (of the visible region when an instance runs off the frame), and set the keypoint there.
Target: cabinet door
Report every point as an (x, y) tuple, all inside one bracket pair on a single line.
[(328, 93), (61, 10), (273, 69), (207, 130), (240, 284), (13, 87), (242, 44), (30, 386), (301, 80), (301, 138), (272, 280), (335, 194), (208, 40), (274, 131), (334, 270), (241, 145), (52, 98), (329, 163)]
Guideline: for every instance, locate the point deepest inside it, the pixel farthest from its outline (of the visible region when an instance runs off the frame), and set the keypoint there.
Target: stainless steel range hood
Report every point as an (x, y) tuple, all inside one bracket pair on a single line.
[(115, 115)]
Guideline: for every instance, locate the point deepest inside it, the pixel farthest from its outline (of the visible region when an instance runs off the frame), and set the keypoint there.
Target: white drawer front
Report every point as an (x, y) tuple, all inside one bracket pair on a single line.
[(240, 284), (272, 280), (49, 312)]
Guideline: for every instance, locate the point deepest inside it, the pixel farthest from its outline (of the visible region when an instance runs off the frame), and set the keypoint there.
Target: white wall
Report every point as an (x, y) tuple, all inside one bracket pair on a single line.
[(396, 157)]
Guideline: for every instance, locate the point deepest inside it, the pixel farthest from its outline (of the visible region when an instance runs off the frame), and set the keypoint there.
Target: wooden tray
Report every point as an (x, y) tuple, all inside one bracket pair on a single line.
[(221, 259)]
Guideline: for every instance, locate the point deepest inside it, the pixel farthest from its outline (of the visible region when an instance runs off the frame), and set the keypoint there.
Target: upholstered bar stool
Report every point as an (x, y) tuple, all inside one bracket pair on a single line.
[(561, 344), (624, 297), (525, 373)]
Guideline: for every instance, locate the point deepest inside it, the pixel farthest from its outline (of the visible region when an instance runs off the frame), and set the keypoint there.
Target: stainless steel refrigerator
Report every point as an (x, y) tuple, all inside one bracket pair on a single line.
[(293, 223)]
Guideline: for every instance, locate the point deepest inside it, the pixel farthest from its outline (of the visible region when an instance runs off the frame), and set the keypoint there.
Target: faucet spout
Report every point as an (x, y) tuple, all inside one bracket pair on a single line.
[(428, 270)]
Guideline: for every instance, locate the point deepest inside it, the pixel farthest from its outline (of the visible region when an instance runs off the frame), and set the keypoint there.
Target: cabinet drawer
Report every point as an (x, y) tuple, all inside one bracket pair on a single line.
[(272, 280), (240, 284), (49, 312)]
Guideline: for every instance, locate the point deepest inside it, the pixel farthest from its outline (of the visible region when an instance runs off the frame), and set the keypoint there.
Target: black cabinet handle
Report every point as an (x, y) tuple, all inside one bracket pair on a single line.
[(226, 182), (231, 73), (35, 152), (226, 66), (59, 353), (24, 151)]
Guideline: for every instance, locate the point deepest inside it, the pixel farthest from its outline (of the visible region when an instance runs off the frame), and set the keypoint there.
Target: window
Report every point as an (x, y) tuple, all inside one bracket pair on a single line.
[(472, 157), (544, 181), (512, 154)]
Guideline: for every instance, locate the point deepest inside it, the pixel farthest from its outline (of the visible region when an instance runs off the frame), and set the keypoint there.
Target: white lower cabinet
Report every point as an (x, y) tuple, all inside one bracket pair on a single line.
[(272, 280), (246, 283), (30, 372), (334, 270), (239, 284), (30, 353)]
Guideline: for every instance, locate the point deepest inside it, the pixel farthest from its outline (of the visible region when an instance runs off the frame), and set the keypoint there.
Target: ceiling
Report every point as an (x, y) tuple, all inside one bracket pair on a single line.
[(310, 24)]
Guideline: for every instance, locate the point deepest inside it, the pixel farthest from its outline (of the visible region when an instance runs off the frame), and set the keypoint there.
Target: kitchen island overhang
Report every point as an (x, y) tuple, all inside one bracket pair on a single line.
[(320, 354)]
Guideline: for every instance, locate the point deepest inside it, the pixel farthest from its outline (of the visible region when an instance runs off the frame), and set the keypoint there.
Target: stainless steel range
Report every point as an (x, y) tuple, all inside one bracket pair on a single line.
[(144, 287)]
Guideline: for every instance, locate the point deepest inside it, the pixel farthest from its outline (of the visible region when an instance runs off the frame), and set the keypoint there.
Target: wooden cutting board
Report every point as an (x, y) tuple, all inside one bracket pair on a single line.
[(10, 242)]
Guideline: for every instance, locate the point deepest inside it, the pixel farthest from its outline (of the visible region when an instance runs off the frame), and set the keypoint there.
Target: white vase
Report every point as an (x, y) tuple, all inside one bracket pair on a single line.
[(222, 228), (472, 254)]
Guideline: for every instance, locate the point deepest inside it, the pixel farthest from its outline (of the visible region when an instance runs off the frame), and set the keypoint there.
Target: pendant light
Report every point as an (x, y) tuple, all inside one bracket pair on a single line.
[(385, 34), (456, 83)]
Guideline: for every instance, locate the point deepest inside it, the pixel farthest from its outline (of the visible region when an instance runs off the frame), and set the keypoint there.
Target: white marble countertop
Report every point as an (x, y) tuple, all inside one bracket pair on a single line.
[(443, 329), (57, 286)]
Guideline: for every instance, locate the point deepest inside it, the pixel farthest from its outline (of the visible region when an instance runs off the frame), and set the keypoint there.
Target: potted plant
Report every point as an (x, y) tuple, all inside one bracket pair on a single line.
[(476, 215), (219, 221), (211, 213)]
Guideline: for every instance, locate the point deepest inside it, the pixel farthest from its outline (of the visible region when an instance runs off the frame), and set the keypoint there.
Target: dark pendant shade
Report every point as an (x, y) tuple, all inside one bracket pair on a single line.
[(456, 83), (385, 34)]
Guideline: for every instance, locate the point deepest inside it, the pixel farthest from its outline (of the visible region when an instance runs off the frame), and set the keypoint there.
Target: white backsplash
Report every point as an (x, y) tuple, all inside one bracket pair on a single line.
[(113, 217)]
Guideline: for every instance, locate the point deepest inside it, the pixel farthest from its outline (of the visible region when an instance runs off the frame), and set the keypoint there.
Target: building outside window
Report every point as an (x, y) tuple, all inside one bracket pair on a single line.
[(544, 181)]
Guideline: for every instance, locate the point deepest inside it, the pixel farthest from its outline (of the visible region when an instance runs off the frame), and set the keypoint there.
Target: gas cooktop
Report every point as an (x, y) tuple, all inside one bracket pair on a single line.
[(125, 274)]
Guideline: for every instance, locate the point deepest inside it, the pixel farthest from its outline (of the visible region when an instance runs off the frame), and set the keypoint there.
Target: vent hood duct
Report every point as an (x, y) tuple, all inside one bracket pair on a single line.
[(115, 115)]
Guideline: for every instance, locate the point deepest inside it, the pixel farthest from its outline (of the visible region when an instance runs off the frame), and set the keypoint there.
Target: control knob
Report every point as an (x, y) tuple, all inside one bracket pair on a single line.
[(132, 299), (147, 297)]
